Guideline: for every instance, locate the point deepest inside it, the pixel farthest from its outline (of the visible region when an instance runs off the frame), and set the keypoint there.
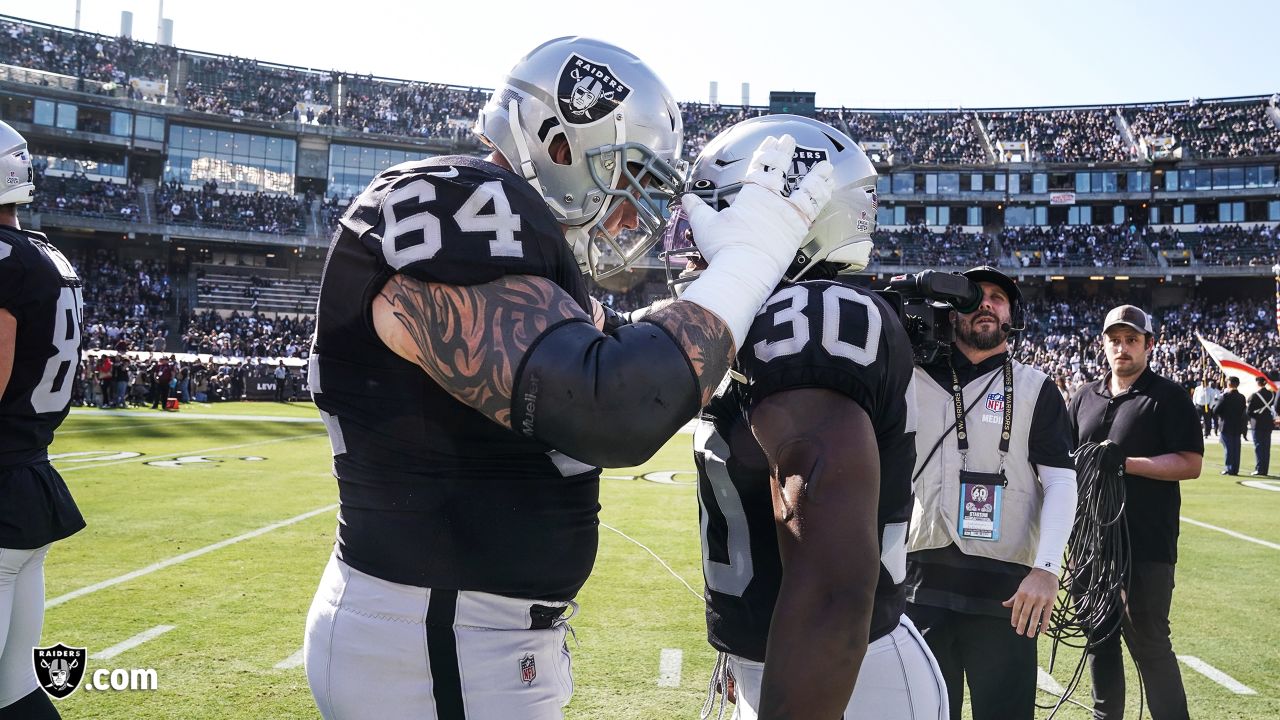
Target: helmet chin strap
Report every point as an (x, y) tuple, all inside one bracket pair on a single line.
[(522, 147)]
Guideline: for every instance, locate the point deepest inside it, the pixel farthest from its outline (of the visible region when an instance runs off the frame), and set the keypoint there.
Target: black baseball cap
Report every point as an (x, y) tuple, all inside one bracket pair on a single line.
[(986, 273), (1130, 315)]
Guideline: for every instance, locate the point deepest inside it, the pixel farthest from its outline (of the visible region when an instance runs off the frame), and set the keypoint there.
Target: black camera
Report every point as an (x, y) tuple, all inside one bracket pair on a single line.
[(924, 302)]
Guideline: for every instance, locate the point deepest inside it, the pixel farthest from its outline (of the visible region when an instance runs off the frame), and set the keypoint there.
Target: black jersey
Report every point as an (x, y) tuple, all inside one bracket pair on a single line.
[(433, 493), (813, 334), (42, 291)]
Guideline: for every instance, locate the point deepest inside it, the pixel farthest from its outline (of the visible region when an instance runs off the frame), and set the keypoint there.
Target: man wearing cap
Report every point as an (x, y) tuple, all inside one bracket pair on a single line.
[(1154, 422), (995, 501), (1262, 411)]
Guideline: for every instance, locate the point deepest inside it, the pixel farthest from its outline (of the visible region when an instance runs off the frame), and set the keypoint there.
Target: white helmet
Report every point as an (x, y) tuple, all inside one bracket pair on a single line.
[(623, 131), (15, 167), (840, 235)]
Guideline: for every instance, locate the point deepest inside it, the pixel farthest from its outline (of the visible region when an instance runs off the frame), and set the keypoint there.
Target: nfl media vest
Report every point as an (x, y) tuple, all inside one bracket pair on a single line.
[(937, 489)]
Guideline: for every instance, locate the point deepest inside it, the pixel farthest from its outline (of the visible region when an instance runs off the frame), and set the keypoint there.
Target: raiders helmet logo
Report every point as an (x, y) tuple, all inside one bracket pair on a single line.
[(588, 91), (59, 669), (802, 161)]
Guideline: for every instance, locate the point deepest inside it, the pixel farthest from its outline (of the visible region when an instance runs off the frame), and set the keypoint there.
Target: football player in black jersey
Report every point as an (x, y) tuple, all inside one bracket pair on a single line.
[(470, 398), (39, 352), (804, 467)]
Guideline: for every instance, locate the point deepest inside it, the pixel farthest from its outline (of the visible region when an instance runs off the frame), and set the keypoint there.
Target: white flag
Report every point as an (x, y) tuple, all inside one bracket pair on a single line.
[(1233, 365)]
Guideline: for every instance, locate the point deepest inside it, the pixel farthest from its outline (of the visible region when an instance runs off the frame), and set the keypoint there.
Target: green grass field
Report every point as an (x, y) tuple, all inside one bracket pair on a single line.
[(237, 610)]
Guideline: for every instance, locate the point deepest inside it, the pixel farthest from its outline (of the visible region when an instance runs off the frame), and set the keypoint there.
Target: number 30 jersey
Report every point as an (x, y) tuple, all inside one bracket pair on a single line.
[(42, 291), (813, 334), (433, 493)]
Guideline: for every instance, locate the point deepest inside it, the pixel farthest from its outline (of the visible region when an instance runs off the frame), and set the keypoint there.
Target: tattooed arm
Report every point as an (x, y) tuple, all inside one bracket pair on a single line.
[(524, 354)]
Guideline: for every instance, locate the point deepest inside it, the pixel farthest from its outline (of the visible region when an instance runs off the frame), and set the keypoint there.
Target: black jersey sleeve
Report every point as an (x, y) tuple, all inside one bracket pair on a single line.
[(830, 335), (12, 274), (460, 221)]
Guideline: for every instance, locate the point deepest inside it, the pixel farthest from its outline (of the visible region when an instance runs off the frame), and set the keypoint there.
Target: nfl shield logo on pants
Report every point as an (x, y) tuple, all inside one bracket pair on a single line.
[(59, 669), (528, 670)]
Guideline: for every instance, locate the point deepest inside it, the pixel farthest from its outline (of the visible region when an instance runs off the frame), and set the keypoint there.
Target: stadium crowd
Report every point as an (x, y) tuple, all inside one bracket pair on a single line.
[(410, 108), (212, 207), (1061, 136), (83, 55), (1214, 129), (247, 88), (79, 195)]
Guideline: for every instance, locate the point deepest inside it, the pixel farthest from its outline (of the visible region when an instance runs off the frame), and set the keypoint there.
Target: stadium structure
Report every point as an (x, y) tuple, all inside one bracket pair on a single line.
[(227, 171)]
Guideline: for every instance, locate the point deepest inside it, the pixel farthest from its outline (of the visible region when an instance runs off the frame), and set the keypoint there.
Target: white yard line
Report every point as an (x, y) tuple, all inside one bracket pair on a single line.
[(108, 415), (293, 661), (132, 642), (655, 557), (1232, 533), (112, 428), (184, 557), (1216, 675), (205, 451), (1047, 683), (669, 663)]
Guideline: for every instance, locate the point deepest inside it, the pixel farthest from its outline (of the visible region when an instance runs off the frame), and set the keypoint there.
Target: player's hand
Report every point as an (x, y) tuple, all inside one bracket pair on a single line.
[(760, 219), (1032, 605)]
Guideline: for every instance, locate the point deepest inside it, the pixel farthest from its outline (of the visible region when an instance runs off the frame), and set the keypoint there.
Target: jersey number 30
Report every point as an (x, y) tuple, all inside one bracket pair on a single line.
[(400, 249)]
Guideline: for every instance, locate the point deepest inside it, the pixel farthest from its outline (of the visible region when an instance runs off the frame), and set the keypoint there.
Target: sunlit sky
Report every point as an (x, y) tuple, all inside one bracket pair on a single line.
[(892, 54)]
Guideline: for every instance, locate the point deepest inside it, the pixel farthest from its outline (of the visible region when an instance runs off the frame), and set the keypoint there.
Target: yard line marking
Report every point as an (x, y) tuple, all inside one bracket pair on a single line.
[(669, 663), (184, 557), (131, 643), (293, 661), (655, 557), (103, 415), (1232, 533), (206, 451), (1047, 683), (1216, 675), (113, 428)]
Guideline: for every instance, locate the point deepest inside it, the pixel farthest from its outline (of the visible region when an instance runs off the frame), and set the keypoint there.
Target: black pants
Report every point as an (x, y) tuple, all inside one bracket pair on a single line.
[(999, 665), (1262, 446), (1146, 631), (279, 390), (1209, 419)]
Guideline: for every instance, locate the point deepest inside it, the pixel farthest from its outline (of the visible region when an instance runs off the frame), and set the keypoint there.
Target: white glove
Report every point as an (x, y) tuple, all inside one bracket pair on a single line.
[(749, 245)]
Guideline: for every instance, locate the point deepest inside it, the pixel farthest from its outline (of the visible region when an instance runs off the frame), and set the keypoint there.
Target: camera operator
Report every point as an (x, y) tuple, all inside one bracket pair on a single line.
[(995, 501)]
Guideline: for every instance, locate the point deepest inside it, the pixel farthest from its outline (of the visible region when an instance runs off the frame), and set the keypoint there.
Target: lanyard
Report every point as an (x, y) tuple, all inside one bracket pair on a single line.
[(1006, 430)]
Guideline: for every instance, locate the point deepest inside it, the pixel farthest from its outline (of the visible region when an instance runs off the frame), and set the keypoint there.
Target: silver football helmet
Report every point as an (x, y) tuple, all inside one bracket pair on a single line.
[(623, 131), (15, 167), (840, 235)]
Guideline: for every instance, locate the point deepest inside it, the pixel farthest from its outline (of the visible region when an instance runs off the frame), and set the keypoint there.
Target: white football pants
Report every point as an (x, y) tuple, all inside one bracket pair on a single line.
[(899, 680), (21, 617), (381, 650)]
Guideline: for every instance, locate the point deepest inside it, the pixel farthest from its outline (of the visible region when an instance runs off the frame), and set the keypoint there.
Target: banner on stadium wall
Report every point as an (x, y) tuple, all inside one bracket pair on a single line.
[(154, 88), (1233, 365), (1062, 198)]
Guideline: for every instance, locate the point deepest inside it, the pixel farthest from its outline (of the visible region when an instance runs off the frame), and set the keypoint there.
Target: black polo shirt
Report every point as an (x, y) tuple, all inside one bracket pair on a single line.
[(1153, 417), (947, 578)]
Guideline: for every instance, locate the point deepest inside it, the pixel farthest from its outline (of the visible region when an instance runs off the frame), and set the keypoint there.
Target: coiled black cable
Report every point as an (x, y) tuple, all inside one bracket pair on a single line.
[(1091, 593)]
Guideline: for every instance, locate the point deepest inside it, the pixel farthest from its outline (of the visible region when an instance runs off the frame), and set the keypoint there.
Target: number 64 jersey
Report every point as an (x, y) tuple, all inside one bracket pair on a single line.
[(812, 334), (434, 493)]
